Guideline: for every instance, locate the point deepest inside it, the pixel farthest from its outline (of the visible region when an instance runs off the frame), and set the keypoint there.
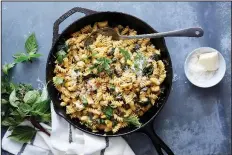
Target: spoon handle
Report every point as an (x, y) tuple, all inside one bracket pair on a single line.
[(189, 32)]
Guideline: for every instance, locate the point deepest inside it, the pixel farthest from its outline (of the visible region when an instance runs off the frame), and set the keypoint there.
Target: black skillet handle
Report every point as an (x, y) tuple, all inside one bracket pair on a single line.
[(65, 16), (156, 140)]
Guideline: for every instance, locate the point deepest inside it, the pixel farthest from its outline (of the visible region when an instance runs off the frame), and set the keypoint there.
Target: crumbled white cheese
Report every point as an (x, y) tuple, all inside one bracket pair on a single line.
[(78, 105)]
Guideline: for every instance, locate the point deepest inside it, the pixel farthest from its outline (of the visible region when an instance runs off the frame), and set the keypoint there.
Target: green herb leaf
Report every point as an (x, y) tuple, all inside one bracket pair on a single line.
[(21, 57), (40, 108), (60, 56), (112, 87), (103, 64), (125, 53), (24, 109), (6, 86), (108, 111), (134, 120), (102, 121), (22, 134), (148, 70), (46, 117), (62, 45), (31, 96), (16, 55), (34, 55), (10, 121), (155, 57), (44, 95), (91, 56), (57, 80), (14, 101), (31, 44), (22, 89), (7, 67), (84, 101)]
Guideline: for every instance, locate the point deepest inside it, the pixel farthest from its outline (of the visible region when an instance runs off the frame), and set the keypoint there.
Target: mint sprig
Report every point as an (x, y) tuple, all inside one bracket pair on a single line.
[(31, 47)]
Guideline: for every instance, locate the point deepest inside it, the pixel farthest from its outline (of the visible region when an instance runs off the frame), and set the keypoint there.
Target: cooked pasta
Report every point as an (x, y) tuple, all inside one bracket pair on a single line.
[(110, 83)]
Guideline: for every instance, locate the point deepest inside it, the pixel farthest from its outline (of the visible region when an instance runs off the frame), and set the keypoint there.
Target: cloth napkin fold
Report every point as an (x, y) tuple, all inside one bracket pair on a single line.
[(66, 140)]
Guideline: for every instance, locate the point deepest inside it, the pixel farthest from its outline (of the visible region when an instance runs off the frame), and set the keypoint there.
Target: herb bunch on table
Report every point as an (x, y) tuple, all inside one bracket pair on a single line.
[(21, 102)]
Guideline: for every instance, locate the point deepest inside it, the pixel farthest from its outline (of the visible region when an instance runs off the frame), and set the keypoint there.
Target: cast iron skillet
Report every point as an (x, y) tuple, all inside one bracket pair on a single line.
[(114, 18)]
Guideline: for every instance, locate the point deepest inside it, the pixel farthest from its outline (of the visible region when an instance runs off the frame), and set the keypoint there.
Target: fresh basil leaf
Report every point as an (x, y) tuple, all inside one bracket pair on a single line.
[(112, 87), (34, 55), (93, 54), (108, 111), (155, 57), (10, 121), (60, 56), (148, 70), (14, 101), (103, 64), (44, 95), (133, 120), (17, 55), (21, 58), (31, 96), (102, 121), (6, 86), (62, 45), (22, 134), (46, 118), (84, 101), (125, 53), (15, 113), (7, 67), (24, 109), (12, 86), (57, 80), (22, 89), (40, 108), (31, 44)]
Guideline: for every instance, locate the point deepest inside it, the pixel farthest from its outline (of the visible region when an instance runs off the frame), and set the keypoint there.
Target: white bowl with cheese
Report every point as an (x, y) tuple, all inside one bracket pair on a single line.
[(205, 67)]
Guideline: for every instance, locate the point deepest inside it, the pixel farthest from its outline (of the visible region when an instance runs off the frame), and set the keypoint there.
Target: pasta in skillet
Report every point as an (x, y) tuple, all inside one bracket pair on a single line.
[(108, 84)]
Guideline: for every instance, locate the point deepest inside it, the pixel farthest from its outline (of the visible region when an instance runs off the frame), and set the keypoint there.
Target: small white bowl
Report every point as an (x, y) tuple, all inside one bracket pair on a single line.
[(217, 77)]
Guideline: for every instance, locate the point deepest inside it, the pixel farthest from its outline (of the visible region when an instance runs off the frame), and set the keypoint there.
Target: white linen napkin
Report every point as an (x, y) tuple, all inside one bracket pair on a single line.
[(66, 140)]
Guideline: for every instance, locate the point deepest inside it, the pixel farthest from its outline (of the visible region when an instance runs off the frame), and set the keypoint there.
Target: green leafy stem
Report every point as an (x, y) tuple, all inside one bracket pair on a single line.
[(31, 47), (20, 102)]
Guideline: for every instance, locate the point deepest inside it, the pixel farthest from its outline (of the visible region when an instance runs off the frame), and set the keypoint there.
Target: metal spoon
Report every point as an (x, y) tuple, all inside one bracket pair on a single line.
[(189, 32)]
